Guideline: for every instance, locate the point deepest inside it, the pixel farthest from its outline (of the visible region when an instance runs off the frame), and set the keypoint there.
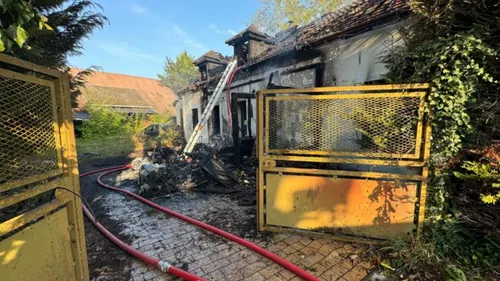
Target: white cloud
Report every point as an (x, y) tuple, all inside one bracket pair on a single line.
[(170, 31), (124, 51), (184, 37), (216, 29), (136, 9)]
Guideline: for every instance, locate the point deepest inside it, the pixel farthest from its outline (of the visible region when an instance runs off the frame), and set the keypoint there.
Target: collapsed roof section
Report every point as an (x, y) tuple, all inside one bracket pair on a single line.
[(358, 15)]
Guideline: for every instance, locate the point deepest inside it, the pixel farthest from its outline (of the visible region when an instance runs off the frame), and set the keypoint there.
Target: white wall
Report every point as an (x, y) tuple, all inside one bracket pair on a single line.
[(178, 108), (190, 101), (356, 60)]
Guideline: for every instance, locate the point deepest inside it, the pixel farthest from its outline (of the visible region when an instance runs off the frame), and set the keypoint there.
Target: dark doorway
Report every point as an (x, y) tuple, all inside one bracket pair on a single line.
[(216, 120), (242, 105), (194, 115)]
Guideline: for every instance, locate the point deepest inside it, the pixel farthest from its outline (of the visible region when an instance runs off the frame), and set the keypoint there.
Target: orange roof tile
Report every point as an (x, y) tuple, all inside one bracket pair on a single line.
[(151, 91)]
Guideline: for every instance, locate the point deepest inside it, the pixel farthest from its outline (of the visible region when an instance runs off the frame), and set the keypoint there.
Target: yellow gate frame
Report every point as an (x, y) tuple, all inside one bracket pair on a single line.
[(47, 242), (288, 196)]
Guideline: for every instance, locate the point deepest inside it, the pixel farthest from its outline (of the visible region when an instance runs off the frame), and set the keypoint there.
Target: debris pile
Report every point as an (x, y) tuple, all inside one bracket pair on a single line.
[(166, 172)]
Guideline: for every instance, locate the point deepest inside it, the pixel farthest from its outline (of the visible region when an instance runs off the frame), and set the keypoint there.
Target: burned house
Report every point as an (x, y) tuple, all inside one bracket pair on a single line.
[(340, 48)]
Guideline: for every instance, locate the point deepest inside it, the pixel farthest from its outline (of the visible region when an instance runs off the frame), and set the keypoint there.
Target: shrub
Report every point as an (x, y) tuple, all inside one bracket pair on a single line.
[(105, 122)]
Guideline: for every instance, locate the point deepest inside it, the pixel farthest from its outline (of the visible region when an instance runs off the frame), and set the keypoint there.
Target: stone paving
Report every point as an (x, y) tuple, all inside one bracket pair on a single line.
[(215, 258)]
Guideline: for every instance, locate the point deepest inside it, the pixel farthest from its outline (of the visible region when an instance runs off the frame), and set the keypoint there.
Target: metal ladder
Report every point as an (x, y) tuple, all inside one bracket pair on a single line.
[(214, 99)]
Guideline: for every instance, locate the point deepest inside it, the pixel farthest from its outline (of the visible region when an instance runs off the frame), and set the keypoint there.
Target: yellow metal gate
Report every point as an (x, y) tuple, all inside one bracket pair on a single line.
[(41, 224), (344, 160)]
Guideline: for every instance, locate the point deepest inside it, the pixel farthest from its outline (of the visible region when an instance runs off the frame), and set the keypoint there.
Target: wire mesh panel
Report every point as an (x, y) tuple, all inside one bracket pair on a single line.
[(348, 160), (40, 211), (29, 140), (354, 124)]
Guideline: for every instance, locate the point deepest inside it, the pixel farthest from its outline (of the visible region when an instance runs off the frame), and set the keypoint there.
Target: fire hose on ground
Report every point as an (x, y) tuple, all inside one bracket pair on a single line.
[(164, 265)]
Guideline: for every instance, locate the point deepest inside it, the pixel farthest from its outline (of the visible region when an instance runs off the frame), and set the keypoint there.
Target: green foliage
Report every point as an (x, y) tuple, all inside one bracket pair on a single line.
[(170, 137), (106, 122), (18, 16), (447, 250), (162, 118), (276, 15), (106, 146), (53, 29), (488, 177), (179, 73), (381, 129), (455, 46), (458, 66)]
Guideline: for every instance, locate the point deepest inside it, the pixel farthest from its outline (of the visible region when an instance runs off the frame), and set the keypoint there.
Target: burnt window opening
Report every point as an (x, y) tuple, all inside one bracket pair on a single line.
[(203, 71), (194, 116), (216, 120), (242, 106), (250, 43), (241, 51)]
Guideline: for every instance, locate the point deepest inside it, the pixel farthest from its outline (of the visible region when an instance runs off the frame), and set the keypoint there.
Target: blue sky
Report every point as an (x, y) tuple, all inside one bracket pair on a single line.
[(142, 33)]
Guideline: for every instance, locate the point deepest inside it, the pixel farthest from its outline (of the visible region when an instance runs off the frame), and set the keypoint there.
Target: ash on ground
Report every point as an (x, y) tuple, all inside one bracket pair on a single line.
[(166, 172)]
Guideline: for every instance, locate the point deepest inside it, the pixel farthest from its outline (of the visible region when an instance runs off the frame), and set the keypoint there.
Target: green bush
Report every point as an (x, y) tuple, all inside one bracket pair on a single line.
[(162, 118), (105, 122), (486, 178)]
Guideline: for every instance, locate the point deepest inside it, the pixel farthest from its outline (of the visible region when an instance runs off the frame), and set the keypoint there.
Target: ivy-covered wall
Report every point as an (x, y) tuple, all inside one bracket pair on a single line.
[(455, 46)]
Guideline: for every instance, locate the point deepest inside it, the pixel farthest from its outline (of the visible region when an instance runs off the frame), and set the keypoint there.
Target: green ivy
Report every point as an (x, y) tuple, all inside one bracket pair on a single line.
[(454, 45), (458, 68), (455, 66)]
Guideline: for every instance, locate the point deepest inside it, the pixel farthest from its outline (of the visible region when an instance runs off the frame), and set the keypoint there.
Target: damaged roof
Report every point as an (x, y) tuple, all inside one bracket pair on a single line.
[(251, 29), (355, 15), (334, 24), (214, 57), (340, 23)]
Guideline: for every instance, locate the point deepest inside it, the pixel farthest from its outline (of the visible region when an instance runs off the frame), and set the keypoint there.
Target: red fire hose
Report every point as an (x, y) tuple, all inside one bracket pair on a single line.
[(166, 267), (162, 265)]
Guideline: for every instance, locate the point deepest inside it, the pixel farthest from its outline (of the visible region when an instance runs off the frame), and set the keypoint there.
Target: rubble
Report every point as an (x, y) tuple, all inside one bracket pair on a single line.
[(166, 172)]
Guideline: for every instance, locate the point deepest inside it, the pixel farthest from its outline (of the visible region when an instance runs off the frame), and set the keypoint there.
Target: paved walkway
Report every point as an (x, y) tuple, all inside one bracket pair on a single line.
[(215, 258)]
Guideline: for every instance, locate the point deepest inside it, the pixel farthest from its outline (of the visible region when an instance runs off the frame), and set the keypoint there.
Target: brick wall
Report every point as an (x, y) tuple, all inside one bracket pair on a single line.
[(256, 48)]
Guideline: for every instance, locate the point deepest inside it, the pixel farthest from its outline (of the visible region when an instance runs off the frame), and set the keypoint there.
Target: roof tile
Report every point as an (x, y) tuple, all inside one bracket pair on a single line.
[(149, 89)]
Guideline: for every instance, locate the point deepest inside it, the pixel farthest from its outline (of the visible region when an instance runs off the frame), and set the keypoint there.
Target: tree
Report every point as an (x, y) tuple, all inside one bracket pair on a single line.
[(180, 72), (15, 18), (276, 15), (48, 31)]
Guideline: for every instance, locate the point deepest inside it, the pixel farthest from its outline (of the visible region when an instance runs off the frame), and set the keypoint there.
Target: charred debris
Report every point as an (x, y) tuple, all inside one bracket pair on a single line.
[(166, 172)]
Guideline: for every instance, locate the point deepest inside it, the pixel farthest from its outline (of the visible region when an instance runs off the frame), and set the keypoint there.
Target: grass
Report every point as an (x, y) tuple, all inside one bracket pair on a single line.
[(107, 146)]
